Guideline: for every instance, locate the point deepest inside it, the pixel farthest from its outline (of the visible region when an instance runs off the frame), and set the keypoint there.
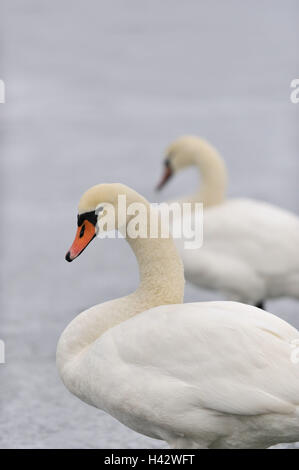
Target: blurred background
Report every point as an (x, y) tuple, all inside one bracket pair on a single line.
[(94, 93)]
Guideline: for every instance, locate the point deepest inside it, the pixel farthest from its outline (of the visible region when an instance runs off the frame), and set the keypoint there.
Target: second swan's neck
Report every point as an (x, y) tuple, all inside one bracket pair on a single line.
[(212, 175), (161, 282)]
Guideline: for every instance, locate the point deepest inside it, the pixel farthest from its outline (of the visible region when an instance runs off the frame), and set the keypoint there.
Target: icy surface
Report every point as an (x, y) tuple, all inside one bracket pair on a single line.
[(95, 91)]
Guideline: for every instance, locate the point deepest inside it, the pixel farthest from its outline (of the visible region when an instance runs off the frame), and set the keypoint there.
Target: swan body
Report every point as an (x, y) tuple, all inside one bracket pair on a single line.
[(250, 248), (248, 252), (201, 375)]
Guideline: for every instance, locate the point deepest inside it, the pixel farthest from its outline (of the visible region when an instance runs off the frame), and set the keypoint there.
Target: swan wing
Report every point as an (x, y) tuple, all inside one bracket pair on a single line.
[(262, 235), (249, 251), (221, 356)]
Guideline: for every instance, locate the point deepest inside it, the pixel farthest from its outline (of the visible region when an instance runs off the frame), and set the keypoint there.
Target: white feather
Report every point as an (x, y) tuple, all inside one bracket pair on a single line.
[(249, 252), (204, 371), (215, 374)]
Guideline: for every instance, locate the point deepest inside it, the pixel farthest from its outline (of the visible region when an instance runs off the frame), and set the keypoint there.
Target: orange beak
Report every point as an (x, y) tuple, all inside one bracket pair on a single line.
[(85, 234), (166, 176)]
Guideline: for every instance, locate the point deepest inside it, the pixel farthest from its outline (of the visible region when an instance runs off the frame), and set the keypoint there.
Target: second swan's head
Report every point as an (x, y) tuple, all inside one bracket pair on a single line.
[(187, 151), (92, 207)]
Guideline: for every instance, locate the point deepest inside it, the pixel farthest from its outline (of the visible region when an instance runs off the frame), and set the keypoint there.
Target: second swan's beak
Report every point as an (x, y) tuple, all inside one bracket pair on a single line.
[(166, 176), (85, 234)]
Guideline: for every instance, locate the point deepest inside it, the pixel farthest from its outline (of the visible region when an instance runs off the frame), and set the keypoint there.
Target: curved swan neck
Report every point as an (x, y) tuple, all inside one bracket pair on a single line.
[(213, 176), (160, 269), (160, 266)]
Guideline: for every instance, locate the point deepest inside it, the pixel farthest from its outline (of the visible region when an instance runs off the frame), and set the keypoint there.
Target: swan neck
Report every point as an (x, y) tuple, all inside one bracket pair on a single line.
[(213, 177), (160, 271)]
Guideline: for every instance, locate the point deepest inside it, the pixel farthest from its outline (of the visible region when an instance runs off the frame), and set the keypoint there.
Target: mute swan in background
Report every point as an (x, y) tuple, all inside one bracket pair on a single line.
[(213, 374), (250, 248)]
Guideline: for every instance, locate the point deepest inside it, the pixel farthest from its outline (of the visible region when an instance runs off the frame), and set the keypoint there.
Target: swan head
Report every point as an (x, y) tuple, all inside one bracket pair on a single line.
[(182, 153), (91, 208)]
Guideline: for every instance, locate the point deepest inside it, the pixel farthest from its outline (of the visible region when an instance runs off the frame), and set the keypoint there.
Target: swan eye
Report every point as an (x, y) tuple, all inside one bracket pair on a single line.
[(89, 216), (99, 209), (167, 163), (82, 231)]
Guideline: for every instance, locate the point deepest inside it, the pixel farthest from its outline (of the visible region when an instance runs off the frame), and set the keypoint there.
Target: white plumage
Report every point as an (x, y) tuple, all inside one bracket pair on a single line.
[(215, 374), (249, 252), (250, 248)]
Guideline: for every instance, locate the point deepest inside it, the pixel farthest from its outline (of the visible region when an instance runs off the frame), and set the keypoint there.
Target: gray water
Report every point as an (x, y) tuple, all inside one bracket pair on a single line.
[(95, 91)]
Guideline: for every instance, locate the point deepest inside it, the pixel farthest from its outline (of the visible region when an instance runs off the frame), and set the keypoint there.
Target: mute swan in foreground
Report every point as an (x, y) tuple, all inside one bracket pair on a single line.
[(250, 248), (213, 374)]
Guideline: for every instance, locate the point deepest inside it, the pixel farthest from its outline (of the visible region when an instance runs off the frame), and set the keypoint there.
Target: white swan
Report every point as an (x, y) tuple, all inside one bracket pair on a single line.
[(216, 374), (250, 248)]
